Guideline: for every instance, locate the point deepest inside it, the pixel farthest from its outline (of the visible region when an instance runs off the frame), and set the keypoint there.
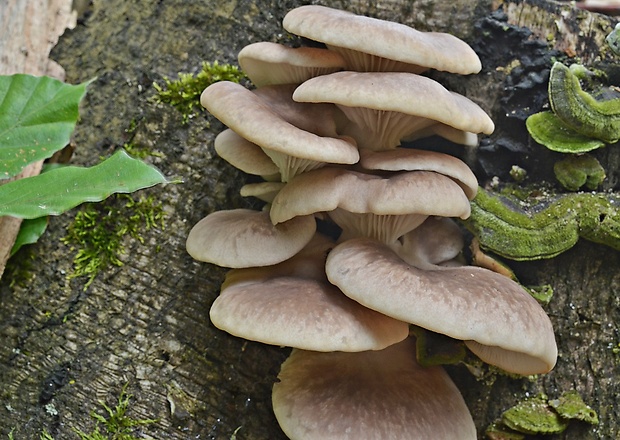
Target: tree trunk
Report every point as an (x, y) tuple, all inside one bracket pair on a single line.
[(66, 347)]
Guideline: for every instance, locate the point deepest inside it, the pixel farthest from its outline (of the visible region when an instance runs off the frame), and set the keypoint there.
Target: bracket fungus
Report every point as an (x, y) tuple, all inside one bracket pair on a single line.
[(332, 141)]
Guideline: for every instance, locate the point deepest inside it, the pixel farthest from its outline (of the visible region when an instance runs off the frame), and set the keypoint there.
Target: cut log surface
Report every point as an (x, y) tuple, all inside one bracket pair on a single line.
[(65, 348)]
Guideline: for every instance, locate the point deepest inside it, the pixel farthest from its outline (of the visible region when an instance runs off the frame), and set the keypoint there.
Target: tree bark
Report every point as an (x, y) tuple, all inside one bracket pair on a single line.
[(65, 347)]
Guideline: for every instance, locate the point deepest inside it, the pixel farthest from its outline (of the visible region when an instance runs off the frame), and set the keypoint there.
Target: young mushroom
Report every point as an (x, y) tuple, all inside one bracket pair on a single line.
[(373, 45), (373, 395)]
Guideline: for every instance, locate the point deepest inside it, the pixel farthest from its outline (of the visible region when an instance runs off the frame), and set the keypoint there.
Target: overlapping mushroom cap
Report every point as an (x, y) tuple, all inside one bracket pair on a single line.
[(385, 107), (374, 395), (498, 320), (269, 121), (369, 44), (381, 207), (292, 304)]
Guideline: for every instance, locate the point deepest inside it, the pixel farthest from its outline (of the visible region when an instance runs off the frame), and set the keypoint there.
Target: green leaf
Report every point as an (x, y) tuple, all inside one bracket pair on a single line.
[(29, 232), (37, 117), (61, 189)]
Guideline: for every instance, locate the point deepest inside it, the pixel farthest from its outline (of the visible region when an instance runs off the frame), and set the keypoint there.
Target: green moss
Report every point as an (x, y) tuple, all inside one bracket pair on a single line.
[(543, 227), (115, 424), (99, 230), (184, 93)]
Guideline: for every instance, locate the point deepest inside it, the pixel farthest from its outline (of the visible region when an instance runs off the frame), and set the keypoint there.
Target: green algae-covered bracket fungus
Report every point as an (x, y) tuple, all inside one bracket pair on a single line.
[(534, 416), (577, 171), (547, 229), (570, 405), (505, 229), (613, 39), (549, 130), (580, 110)]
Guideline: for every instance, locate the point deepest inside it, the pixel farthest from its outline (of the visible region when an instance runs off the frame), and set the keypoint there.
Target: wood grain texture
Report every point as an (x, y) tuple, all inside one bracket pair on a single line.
[(146, 323)]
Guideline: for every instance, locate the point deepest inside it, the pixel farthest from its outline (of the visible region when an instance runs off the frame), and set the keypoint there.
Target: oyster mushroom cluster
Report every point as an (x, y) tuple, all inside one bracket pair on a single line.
[(323, 129)]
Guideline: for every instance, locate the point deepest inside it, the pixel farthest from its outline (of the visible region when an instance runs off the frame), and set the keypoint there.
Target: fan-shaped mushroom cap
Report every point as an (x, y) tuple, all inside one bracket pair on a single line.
[(246, 238), (267, 63), (292, 304), (498, 320), (368, 205), (244, 155), (374, 395), (370, 44), (386, 107), (303, 313), (408, 159), (255, 119)]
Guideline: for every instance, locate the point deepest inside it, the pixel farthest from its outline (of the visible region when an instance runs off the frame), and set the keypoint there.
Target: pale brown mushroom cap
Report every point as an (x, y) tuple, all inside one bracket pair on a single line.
[(509, 328), (355, 35), (408, 159), (386, 107), (244, 155), (373, 395), (250, 117), (302, 313), (368, 205), (273, 123), (246, 238), (267, 63)]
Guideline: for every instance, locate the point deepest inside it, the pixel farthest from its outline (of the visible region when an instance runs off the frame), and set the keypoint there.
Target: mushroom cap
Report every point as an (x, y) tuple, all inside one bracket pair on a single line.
[(495, 316), (243, 154), (325, 189), (302, 313), (408, 159), (373, 395), (385, 107), (246, 238), (416, 51), (252, 118), (267, 63)]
